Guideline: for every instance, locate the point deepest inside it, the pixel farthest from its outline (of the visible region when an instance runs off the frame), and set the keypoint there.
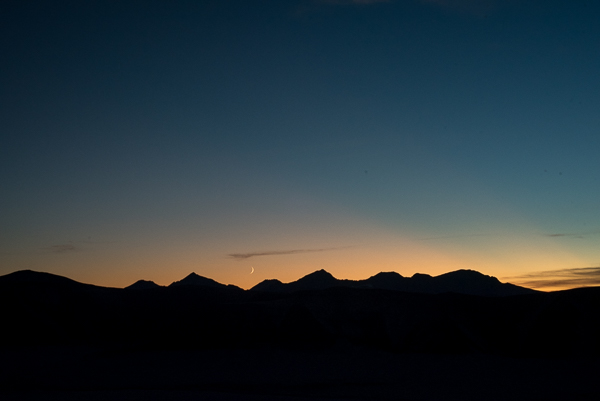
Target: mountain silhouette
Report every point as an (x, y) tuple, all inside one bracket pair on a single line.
[(270, 285), (457, 312), (386, 281), (474, 283), (363, 335), (142, 285), (195, 279), (467, 282), (318, 280)]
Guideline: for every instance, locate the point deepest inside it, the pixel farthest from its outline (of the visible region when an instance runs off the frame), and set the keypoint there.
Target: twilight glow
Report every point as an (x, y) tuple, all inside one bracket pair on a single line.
[(225, 137)]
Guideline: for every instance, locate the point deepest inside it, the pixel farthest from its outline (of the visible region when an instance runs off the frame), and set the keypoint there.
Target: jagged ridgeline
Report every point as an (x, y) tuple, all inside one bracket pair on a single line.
[(458, 312)]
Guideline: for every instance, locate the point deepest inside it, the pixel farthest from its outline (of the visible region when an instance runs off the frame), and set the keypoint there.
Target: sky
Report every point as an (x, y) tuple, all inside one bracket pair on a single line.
[(152, 139)]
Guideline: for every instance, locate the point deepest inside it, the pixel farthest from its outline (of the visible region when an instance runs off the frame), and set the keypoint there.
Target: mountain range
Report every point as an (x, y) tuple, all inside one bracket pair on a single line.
[(461, 311), (307, 337), (460, 282)]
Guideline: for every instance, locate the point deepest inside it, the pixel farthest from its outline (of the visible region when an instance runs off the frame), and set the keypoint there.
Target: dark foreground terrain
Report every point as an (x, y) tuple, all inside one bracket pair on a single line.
[(205, 341)]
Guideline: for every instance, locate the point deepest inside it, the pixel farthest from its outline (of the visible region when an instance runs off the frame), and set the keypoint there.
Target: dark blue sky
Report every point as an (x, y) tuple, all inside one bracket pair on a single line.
[(150, 139)]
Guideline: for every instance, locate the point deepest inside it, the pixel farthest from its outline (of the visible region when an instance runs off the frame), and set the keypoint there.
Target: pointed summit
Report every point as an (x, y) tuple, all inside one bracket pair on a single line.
[(319, 276), (195, 279), (317, 280)]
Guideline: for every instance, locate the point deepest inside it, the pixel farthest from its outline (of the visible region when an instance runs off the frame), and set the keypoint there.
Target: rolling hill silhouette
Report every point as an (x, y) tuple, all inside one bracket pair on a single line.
[(29, 276)]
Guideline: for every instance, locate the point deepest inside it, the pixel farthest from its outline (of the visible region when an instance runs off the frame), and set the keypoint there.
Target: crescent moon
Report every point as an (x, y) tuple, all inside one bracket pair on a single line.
[(252, 270)]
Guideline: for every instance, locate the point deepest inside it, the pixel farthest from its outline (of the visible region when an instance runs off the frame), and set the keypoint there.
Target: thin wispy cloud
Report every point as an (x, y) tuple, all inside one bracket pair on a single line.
[(441, 237), (248, 255), (581, 235), (61, 248), (566, 278), (573, 235)]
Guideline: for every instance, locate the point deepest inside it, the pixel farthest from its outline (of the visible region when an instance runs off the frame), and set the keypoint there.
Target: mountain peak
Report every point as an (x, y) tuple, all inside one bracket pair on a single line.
[(317, 280), (142, 285), (387, 281), (269, 285), (321, 274), (195, 279), (467, 275), (387, 275)]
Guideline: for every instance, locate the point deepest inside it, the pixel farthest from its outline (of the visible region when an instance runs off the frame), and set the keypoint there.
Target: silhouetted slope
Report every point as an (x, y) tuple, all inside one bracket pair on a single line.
[(30, 276), (46, 308)]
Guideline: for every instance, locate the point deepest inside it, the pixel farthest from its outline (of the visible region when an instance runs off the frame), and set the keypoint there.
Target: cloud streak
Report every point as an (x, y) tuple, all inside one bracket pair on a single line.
[(567, 278), (61, 248), (248, 255), (573, 235), (455, 236)]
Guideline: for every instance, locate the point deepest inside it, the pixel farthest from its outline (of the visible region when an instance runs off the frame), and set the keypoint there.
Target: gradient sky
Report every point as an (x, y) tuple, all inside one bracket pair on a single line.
[(147, 139)]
